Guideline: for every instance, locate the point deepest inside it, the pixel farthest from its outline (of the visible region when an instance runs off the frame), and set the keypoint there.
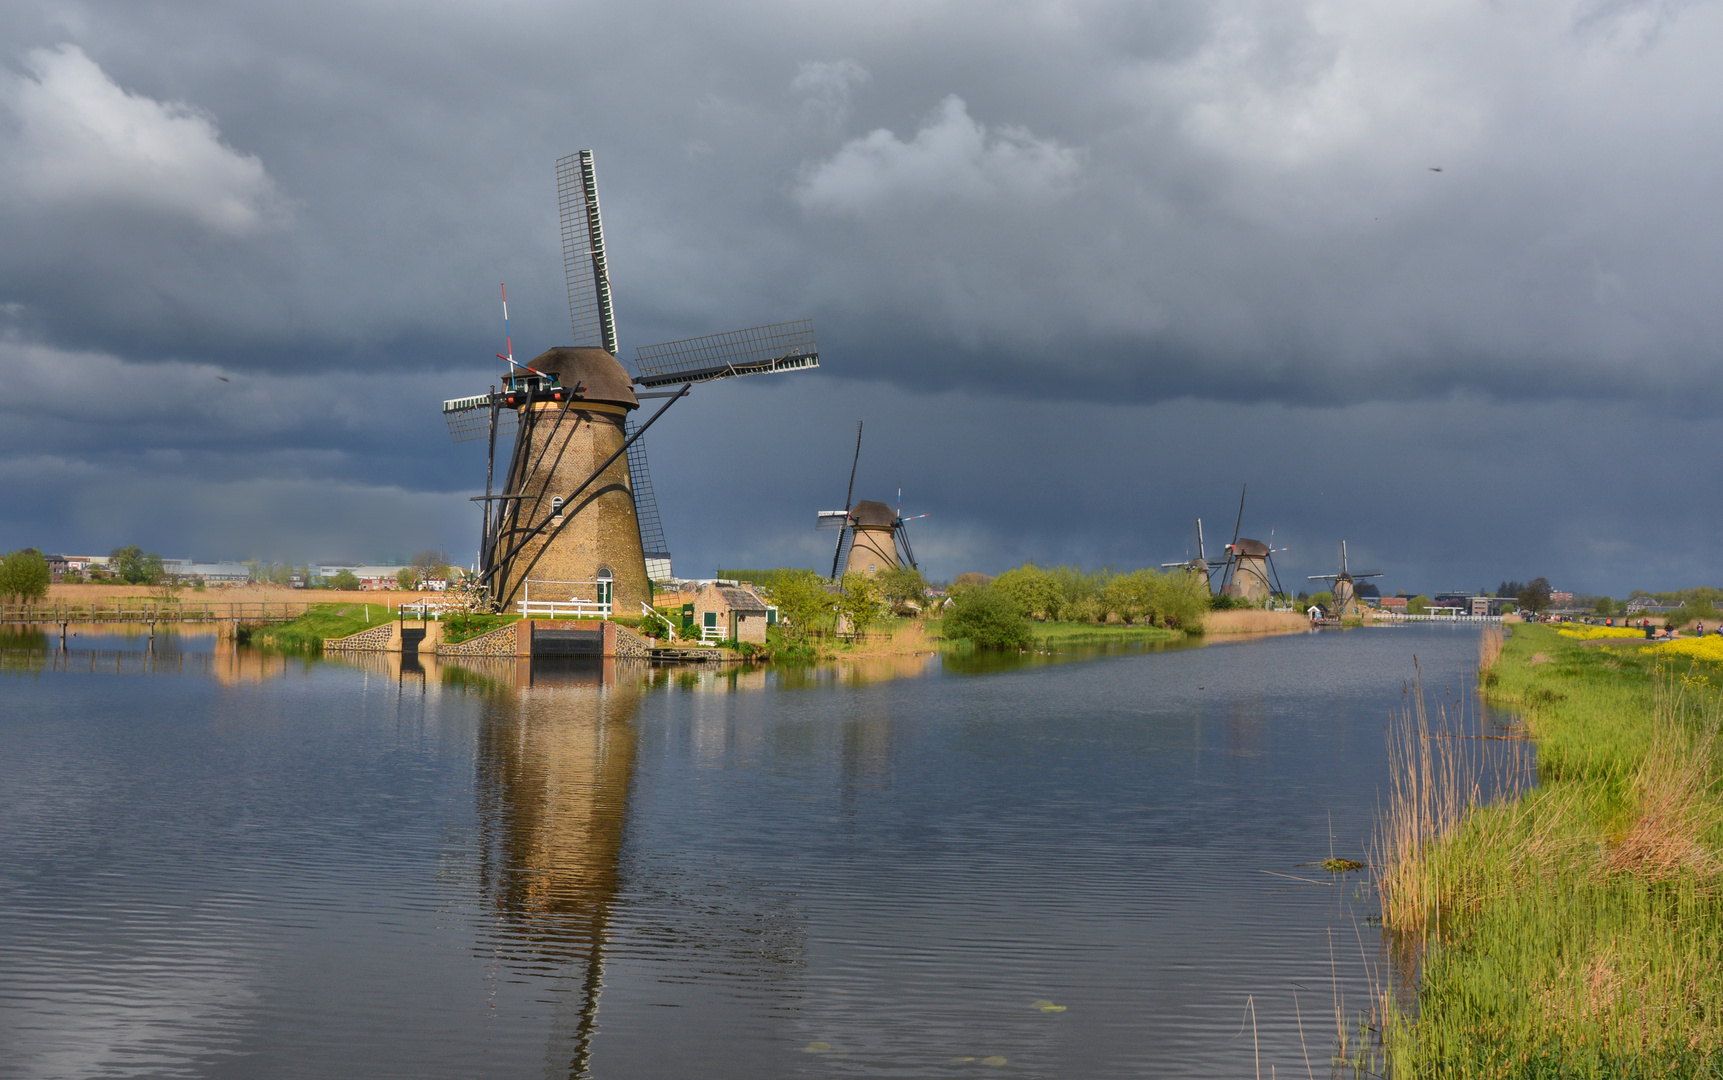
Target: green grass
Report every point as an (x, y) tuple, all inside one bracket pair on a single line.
[(320, 623), (1577, 930), (464, 627)]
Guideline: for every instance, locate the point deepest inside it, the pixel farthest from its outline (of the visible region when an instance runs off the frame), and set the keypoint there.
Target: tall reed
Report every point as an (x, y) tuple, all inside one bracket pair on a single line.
[(1574, 928)]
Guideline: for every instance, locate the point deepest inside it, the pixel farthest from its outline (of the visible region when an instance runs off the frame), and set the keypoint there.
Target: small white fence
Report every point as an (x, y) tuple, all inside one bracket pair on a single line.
[(1400, 616), (597, 608), (551, 609)]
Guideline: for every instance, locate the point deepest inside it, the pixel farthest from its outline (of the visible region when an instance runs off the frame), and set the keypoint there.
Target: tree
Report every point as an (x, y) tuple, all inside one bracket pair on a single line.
[(903, 584), (804, 602), (1032, 590), (971, 580), (1132, 597), (1605, 606), (861, 601), (134, 566), (24, 576), (987, 618), (1418, 605), (1181, 599), (431, 564), (1535, 596), (345, 579), (406, 577)]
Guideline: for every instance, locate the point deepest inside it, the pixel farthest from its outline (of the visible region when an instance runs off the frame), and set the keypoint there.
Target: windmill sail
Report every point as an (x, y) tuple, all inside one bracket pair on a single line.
[(584, 268), (652, 543), (759, 350), (469, 418)]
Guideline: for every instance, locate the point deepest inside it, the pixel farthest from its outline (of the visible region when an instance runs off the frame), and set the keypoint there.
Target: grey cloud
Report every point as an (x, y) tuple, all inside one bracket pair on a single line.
[(1158, 250)]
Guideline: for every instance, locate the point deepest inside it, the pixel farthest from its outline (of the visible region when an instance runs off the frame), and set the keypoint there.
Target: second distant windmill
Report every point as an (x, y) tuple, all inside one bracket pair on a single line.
[(872, 537)]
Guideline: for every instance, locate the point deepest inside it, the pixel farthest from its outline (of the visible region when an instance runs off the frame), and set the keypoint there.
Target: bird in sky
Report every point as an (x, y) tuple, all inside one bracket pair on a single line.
[(1435, 168), (223, 378)]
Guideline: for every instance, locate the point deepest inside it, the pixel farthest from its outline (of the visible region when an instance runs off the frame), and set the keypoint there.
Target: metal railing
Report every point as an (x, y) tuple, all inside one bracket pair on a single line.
[(1399, 616)]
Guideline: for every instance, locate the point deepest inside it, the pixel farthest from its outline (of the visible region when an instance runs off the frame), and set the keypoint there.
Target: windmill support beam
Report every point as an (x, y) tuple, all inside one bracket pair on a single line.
[(527, 535)]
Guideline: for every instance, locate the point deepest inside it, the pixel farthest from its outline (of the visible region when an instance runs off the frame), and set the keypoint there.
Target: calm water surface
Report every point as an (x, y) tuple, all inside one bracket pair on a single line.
[(217, 864)]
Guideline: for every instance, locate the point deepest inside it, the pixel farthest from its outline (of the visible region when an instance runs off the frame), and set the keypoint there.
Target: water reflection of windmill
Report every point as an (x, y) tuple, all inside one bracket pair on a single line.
[(1344, 584), (554, 772), (576, 510), (1248, 573), (872, 537)]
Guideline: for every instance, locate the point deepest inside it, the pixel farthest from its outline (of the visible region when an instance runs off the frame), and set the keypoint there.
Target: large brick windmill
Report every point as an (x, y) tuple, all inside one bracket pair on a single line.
[(576, 517)]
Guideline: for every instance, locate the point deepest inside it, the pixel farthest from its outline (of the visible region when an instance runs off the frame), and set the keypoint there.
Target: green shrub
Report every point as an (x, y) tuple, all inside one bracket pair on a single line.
[(988, 618), (24, 576)]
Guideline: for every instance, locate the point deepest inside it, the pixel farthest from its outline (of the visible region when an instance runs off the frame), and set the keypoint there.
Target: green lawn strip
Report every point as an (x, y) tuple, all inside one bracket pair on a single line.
[(1550, 953), (320, 623)]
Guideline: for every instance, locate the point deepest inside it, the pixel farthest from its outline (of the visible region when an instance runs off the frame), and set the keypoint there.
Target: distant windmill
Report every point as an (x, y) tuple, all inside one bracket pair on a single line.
[(1199, 565), (1344, 585), (1249, 573), (577, 507), (872, 537)]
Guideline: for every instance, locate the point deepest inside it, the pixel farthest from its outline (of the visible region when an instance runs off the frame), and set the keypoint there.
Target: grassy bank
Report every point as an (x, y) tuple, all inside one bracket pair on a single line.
[(1577, 929), (321, 623)]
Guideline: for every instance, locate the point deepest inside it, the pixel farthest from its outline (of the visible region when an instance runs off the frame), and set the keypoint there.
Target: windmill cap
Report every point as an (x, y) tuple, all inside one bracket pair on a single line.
[(1253, 548), (873, 515), (605, 379)]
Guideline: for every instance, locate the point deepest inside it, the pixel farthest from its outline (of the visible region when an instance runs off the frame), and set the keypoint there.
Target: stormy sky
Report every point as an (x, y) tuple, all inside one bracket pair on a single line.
[(1440, 280)]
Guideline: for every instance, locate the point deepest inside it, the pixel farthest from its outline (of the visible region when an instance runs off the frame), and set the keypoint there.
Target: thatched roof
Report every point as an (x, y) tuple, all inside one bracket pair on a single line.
[(599, 372), (873, 515), (740, 599)]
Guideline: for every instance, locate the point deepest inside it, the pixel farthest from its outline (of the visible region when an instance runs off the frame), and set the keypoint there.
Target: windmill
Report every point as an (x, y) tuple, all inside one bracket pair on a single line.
[(1248, 573), (576, 512), (1199, 565), (1344, 584), (872, 537)]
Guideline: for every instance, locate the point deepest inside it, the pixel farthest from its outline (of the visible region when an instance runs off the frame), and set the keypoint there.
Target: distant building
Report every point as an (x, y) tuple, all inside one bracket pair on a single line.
[(1393, 603), (371, 578), (1561, 599), (1648, 605)]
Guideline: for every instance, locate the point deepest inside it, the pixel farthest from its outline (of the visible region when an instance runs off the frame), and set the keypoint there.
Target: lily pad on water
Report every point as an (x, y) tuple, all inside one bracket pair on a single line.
[(817, 1047), (1046, 1006), (993, 1060), (1341, 866), (955, 1060)]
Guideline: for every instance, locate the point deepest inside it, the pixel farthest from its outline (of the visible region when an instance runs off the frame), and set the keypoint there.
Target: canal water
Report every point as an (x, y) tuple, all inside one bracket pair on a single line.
[(225, 864)]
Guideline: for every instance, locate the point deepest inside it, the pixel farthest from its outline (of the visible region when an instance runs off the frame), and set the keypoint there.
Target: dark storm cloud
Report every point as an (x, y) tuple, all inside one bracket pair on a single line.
[(1216, 219)]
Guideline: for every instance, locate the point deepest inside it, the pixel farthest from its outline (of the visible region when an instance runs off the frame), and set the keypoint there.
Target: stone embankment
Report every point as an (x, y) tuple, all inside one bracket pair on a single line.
[(515, 639)]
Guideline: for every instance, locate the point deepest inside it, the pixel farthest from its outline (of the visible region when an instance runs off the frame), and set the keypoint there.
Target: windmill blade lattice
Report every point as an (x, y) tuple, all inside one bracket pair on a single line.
[(759, 350), (585, 270), (469, 418), (652, 543)]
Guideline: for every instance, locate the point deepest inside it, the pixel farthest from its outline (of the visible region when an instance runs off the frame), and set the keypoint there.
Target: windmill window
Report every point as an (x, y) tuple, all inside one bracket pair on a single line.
[(556, 505)]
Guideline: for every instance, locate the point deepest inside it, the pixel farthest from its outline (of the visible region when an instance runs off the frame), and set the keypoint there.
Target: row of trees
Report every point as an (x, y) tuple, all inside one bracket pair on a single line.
[(991, 612), (1072, 594)]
